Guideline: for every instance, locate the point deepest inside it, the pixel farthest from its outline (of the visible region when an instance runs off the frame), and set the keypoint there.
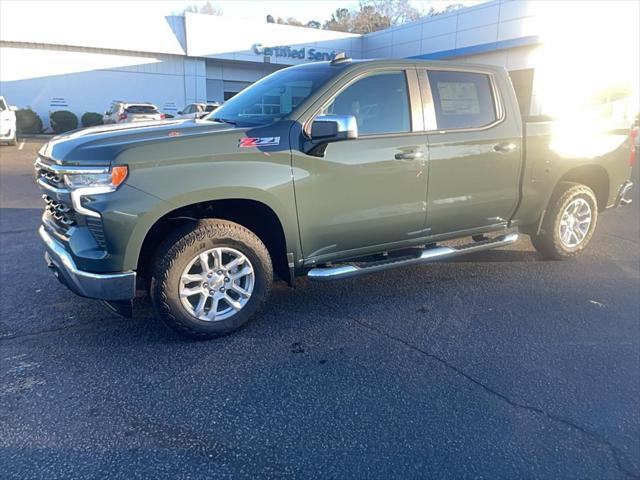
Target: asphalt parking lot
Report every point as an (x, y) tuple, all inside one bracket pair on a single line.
[(499, 365)]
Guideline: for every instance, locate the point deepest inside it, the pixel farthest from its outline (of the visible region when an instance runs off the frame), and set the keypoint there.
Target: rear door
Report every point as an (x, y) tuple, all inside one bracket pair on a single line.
[(474, 150), (369, 191)]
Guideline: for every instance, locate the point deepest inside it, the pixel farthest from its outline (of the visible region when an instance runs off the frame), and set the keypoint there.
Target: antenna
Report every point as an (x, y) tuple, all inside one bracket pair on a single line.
[(339, 58)]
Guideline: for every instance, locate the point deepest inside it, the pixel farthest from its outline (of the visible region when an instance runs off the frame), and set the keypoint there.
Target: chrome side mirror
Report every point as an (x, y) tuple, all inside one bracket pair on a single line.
[(327, 129), (334, 128)]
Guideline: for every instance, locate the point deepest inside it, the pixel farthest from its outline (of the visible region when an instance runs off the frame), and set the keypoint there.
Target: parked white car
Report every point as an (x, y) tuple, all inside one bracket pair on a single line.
[(197, 110), (123, 112), (7, 123)]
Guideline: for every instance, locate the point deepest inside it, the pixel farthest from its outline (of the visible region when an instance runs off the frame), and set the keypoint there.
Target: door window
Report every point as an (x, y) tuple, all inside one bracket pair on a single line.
[(379, 102), (462, 99)]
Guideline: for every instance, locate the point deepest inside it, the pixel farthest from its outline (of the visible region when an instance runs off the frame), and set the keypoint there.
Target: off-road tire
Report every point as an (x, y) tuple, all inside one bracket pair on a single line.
[(547, 242), (178, 250)]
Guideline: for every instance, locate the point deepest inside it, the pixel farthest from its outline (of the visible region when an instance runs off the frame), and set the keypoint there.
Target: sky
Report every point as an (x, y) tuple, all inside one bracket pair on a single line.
[(303, 10)]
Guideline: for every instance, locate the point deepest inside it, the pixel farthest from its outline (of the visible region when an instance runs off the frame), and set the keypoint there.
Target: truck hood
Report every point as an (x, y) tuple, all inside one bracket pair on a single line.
[(101, 144)]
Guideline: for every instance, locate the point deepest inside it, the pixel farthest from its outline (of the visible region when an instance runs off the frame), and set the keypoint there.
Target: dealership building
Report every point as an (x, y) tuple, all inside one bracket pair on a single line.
[(62, 63)]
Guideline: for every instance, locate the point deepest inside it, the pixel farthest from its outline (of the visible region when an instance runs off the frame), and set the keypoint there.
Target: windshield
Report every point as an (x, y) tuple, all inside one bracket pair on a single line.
[(273, 97)]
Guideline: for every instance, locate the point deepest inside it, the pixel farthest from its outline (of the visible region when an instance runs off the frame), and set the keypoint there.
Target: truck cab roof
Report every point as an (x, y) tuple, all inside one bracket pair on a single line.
[(359, 64)]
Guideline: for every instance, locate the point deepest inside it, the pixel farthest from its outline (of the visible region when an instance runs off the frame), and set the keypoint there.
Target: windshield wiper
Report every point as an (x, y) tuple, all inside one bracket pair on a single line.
[(225, 120)]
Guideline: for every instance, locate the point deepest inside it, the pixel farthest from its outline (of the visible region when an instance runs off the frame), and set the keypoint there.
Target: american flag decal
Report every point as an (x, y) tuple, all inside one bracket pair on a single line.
[(258, 141)]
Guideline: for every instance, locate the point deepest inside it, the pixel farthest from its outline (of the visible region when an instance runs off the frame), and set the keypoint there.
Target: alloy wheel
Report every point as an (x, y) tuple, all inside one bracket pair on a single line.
[(217, 284), (575, 223)]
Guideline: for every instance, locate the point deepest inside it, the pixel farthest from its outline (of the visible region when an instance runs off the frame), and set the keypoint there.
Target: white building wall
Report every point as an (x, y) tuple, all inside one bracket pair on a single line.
[(486, 26), (195, 80), (216, 37), (91, 25), (48, 78)]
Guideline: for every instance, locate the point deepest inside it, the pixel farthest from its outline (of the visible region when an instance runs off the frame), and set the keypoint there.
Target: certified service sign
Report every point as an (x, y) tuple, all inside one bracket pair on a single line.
[(291, 52)]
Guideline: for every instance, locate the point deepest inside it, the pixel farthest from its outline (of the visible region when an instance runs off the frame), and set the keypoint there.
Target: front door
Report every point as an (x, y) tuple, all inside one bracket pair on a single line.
[(369, 191), (474, 153)]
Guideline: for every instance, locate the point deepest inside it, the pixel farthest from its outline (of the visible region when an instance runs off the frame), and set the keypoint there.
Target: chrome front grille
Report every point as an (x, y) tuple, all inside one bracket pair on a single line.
[(62, 215), (48, 178), (59, 213), (52, 178)]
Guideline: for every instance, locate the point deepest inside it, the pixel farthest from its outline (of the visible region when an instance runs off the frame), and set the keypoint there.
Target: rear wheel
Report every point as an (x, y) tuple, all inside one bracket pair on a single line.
[(569, 222), (211, 278)]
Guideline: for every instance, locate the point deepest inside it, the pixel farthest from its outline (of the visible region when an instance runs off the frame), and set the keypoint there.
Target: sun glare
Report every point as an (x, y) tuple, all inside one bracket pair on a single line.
[(588, 76)]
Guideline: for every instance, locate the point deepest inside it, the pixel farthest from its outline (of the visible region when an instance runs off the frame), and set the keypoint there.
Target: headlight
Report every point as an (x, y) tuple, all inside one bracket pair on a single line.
[(82, 184), (102, 181)]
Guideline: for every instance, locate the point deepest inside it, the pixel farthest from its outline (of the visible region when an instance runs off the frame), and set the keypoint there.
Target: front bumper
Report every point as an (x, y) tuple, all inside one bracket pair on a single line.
[(623, 197), (111, 286)]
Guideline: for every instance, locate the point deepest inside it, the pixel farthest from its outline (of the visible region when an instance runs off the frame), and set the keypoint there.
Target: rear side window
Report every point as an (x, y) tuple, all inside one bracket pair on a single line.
[(3, 106), (462, 99), (379, 102), (141, 109)]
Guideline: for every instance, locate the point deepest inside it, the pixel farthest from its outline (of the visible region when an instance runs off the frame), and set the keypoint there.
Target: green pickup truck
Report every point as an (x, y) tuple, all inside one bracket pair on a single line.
[(329, 170)]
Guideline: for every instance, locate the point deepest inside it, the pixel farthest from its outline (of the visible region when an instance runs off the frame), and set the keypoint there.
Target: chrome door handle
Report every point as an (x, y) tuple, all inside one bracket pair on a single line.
[(408, 155), (504, 147)]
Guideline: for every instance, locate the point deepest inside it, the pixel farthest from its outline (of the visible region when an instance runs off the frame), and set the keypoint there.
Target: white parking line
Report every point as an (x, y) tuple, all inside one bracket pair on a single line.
[(21, 146)]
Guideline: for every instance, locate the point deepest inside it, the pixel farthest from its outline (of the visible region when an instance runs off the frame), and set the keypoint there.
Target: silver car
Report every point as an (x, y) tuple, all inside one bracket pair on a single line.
[(122, 112), (197, 110)]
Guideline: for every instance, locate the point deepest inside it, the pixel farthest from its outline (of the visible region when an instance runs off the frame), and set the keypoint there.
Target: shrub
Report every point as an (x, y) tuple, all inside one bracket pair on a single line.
[(28, 121), (63, 121), (91, 119)]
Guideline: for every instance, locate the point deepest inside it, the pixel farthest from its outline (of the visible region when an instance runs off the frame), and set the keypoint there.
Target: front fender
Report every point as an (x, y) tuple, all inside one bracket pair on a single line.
[(186, 172)]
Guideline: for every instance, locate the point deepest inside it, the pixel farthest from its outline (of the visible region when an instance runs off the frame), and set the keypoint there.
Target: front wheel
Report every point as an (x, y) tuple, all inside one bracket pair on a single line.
[(211, 278), (569, 222)]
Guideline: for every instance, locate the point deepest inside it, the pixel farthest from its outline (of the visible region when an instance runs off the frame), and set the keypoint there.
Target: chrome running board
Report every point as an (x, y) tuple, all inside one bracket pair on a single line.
[(433, 254)]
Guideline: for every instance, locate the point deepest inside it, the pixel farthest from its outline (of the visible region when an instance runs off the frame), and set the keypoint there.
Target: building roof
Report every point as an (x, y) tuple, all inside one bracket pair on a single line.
[(45, 22)]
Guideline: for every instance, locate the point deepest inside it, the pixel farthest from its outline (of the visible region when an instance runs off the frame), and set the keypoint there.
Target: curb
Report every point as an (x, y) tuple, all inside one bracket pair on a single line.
[(36, 135)]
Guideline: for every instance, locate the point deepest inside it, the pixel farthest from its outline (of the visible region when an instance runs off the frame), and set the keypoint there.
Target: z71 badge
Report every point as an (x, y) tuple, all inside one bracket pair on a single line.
[(258, 141)]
